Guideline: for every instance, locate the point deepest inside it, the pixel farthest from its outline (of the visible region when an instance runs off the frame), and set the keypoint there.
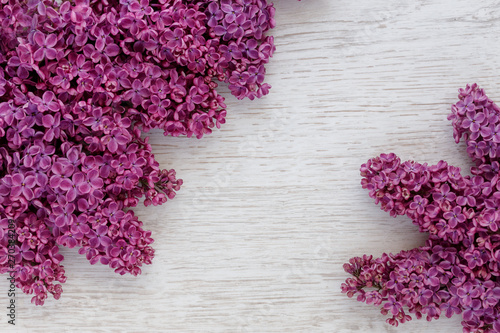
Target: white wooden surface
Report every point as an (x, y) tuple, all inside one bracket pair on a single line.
[(272, 207)]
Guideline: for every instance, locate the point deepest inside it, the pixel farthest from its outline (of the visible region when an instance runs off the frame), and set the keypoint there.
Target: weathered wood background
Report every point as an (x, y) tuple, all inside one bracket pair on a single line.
[(272, 207)]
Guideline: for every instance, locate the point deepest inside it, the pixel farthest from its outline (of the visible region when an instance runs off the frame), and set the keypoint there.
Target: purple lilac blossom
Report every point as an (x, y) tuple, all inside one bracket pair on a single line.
[(457, 271), (80, 83)]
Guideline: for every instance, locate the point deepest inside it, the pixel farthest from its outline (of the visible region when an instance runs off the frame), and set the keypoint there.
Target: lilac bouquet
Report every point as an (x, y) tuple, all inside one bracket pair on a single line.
[(457, 271), (80, 82)]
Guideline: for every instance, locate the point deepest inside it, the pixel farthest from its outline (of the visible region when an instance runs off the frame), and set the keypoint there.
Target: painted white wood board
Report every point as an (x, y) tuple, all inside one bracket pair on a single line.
[(272, 206)]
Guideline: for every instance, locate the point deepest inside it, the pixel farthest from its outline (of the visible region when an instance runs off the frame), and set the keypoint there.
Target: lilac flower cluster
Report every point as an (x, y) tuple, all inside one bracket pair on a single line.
[(160, 59), (457, 271), (80, 81)]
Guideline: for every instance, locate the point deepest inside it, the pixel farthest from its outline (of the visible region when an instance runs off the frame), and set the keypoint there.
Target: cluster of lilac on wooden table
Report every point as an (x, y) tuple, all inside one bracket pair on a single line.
[(457, 271), (80, 83)]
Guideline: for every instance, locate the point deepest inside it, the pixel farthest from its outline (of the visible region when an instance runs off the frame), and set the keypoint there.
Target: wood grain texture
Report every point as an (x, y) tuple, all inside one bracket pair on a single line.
[(272, 207)]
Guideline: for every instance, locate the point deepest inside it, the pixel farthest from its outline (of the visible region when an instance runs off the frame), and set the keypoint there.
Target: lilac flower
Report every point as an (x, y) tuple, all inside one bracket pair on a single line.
[(113, 213), (8, 15), (91, 184), (393, 305), (473, 121), (240, 26), (62, 79), (215, 14), (51, 123), (22, 185), (131, 255), (450, 309), (60, 172), (63, 214), (46, 46), (250, 48), (473, 259), (444, 194), (466, 105), (132, 235), (472, 311), (80, 226), (46, 102), (136, 93), (491, 297), (489, 220), (72, 185), (140, 9), (80, 66), (174, 38), (454, 272), (71, 239), (115, 139), (152, 74), (98, 237), (455, 216), (80, 83), (23, 252), (419, 204), (45, 269), (119, 248), (231, 9), (223, 30)]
